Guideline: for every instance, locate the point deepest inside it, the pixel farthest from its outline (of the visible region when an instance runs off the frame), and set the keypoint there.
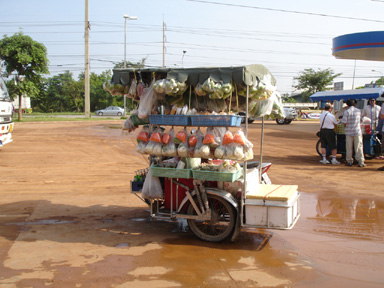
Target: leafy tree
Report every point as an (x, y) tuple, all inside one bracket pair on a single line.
[(312, 81), (139, 64), (28, 60)]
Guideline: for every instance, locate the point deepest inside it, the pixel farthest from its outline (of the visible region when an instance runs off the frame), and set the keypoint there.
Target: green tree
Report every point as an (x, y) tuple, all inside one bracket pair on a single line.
[(311, 81), (139, 64), (27, 59)]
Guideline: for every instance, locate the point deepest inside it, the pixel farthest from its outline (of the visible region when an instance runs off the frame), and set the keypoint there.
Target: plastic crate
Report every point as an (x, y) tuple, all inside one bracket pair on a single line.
[(136, 186), (216, 176), (170, 172), (171, 120), (216, 120), (137, 121)]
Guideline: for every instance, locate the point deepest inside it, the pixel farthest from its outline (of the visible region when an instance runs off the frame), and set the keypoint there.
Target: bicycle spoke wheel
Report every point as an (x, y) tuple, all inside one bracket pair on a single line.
[(221, 224)]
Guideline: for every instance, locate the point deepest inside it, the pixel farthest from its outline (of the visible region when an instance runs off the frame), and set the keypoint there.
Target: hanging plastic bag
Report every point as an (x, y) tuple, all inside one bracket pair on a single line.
[(240, 148), (132, 89), (152, 187), (128, 125), (146, 101), (154, 146), (169, 147), (210, 138), (181, 137), (142, 140), (226, 140), (199, 137), (140, 89), (192, 141)]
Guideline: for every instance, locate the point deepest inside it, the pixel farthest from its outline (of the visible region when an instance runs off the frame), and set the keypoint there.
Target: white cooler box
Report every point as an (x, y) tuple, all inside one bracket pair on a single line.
[(272, 206)]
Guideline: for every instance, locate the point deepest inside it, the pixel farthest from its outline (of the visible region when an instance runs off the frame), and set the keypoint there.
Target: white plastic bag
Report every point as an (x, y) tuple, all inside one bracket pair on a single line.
[(152, 187), (146, 101)]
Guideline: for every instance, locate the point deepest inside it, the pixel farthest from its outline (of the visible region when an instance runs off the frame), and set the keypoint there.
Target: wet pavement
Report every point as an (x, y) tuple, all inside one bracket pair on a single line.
[(337, 242), (67, 220)]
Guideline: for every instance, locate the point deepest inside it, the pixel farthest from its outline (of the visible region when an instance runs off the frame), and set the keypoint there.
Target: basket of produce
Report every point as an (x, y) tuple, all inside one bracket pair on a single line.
[(170, 172), (222, 171), (171, 120), (216, 120)]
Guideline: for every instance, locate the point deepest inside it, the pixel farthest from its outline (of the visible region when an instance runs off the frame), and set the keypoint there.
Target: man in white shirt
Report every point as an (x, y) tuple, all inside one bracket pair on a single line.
[(328, 135), (353, 136), (372, 111)]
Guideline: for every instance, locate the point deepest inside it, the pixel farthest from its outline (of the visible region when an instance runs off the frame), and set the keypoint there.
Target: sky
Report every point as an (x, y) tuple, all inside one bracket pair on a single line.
[(284, 36)]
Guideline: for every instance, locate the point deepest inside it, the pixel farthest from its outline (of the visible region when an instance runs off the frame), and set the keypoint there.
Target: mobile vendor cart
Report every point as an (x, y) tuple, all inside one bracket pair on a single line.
[(371, 141), (199, 166)]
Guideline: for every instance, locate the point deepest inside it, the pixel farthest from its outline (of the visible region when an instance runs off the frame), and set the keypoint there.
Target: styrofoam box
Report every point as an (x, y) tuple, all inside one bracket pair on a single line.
[(273, 214)]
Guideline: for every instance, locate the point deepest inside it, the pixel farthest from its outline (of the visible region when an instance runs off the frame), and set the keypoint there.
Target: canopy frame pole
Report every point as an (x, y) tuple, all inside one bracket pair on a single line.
[(261, 150), (244, 187)]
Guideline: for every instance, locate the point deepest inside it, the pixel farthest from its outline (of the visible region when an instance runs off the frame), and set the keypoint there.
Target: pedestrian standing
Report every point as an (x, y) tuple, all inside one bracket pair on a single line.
[(353, 136), (382, 138), (372, 111), (328, 135)]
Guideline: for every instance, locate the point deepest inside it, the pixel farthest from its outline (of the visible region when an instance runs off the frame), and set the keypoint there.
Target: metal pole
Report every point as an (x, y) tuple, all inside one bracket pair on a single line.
[(354, 71), (261, 149), (125, 60), (163, 44), (86, 72)]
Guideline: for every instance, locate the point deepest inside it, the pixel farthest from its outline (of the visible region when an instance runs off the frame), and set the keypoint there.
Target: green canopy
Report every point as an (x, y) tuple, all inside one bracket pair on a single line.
[(248, 75)]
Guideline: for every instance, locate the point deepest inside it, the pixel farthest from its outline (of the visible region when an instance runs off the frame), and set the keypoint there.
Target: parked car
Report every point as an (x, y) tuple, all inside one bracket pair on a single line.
[(110, 111), (290, 114)]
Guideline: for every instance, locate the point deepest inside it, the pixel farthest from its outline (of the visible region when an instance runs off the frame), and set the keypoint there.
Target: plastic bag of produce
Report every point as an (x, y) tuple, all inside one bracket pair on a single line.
[(208, 85), (132, 89), (140, 148), (226, 140), (140, 89), (240, 148), (146, 101), (128, 125), (152, 187), (211, 139), (199, 91), (143, 135), (182, 150), (181, 136), (169, 147), (192, 141), (199, 143)]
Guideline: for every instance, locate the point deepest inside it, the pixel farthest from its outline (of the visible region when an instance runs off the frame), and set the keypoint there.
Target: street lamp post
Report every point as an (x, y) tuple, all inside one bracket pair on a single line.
[(381, 78), (182, 58), (126, 17)]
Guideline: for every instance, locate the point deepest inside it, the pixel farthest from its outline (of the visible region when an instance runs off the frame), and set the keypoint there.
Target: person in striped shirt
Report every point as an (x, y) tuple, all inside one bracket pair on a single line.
[(353, 136)]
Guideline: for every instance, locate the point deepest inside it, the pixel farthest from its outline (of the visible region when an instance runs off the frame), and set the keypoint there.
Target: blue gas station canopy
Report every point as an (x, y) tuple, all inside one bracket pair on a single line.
[(360, 46)]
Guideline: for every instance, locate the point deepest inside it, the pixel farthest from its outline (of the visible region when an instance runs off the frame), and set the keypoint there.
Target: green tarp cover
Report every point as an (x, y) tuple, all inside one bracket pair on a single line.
[(248, 75)]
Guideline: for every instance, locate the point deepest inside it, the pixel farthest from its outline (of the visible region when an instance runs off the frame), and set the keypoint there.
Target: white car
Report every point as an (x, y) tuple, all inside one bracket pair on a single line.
[(290, 114), (110, 111)]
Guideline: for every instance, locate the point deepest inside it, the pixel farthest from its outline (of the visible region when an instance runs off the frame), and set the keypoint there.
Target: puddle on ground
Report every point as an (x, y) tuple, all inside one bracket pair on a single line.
[(122, 245), (342, 215), (42, 222), (139, 219)]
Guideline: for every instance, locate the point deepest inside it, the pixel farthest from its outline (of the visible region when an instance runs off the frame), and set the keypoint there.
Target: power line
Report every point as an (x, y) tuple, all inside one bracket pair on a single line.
[(287, 11)]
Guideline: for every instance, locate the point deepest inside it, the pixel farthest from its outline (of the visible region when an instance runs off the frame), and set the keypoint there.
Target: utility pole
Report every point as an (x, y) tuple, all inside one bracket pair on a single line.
[(86, 74), (163, 44)]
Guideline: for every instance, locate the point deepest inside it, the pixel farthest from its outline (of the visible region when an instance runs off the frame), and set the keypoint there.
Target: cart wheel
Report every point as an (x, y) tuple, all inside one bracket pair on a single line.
[(287, 121), (220, 226), (318, 148)]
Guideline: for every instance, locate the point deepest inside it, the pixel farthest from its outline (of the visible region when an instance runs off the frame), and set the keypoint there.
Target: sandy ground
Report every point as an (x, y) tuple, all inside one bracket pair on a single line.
[(68, 219)]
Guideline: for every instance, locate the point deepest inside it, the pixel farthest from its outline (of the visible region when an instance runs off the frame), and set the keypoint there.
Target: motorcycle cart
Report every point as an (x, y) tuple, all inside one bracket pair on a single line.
[(215, 203), (371, 144)]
